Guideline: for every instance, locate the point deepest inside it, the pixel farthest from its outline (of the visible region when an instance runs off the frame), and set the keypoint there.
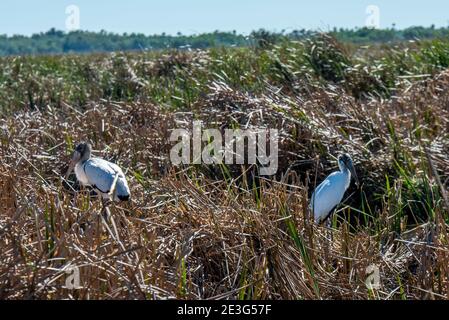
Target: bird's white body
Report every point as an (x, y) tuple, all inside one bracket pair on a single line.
[(101, 175), (329, 194)]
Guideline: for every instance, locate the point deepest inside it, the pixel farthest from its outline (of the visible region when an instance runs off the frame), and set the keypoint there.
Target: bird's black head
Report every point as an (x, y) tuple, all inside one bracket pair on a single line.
[(344, 159), (82, 151), (345, 163)]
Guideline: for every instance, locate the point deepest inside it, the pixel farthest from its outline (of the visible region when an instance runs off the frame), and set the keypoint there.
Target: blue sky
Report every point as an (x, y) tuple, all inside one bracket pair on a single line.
[(196, 16)]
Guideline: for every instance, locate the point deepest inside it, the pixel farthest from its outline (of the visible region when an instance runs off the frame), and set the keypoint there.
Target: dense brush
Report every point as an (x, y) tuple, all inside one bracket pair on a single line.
[(206, 232)]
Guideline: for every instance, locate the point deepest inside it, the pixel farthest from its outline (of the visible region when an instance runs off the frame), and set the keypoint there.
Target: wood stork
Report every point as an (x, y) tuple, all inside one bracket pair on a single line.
[(107, 179), (331, 191)]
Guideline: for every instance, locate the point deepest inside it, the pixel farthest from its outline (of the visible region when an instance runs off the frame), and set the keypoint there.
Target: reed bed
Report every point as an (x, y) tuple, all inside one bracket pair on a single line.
[(208, 232)]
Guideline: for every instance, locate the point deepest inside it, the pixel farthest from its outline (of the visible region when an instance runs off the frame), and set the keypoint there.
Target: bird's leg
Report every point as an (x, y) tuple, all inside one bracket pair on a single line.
[(107, 217), (329, 227), (105, 210), (99, 231), (114, 226), (329, 222), (103, 217)]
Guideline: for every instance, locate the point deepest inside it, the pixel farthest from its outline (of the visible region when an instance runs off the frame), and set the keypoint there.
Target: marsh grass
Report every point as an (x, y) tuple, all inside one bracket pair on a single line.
[(205, 232)]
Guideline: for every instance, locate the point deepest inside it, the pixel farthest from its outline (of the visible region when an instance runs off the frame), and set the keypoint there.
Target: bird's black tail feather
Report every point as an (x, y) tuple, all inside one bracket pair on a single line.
[(123, 198)]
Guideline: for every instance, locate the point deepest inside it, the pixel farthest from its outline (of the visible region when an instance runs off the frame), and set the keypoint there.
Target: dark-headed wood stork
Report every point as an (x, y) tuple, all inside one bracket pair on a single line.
[(107, 179), (331, 191)]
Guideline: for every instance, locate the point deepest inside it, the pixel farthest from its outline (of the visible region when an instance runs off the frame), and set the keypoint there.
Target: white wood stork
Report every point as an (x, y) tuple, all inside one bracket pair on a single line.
[(331, 191), (107, 179)]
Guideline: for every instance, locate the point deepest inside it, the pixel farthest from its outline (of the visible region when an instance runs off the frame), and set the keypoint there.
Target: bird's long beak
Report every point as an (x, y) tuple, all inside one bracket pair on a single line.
[(354, 175), (75, 158)]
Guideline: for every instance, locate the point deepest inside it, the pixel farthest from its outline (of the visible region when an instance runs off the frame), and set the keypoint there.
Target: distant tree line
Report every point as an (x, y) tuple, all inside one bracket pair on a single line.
[(58, 42)]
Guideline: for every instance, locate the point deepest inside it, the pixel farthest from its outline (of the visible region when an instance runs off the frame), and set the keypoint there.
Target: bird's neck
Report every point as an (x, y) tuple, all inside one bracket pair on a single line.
[(84, 159), (347, 174)]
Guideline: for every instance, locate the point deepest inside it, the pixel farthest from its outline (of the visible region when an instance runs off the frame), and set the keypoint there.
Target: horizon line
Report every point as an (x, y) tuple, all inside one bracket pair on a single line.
[(180, 33)]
